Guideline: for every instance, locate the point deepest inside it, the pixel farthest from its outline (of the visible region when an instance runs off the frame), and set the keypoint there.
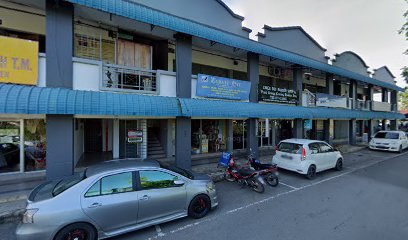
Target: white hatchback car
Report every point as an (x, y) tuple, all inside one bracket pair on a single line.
[(395, 141), (307, 157)]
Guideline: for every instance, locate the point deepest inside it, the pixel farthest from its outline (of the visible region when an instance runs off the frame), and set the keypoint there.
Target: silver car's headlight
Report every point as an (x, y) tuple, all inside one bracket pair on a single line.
[(28, 216), (210, 186)]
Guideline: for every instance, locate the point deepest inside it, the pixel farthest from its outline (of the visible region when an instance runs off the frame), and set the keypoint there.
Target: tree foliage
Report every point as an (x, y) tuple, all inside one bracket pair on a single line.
[(404, 99)]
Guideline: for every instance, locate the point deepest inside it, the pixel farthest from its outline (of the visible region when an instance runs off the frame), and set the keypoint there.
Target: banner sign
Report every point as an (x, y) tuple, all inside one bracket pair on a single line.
[(219, 87), (135, 136), (277, 95), (327, 100), (307, 124), (18, 61)]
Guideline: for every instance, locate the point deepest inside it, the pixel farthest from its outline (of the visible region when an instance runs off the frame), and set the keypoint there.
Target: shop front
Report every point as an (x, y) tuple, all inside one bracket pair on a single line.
[(208, 136), (22, 145)]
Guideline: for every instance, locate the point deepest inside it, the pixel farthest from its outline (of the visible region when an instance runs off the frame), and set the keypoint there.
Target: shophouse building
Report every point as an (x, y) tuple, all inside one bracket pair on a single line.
[(169, 80)]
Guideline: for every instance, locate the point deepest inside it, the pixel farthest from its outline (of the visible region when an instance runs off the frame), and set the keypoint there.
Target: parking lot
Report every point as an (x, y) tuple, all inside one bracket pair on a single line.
[(368, 193)]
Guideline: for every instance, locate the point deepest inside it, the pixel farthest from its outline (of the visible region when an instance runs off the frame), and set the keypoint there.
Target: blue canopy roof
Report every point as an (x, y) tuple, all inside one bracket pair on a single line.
[(17, 99), (148, 15), (205, 108)]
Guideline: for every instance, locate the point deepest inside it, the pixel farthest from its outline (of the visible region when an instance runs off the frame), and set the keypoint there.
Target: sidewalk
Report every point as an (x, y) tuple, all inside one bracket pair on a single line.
[(13, 194)]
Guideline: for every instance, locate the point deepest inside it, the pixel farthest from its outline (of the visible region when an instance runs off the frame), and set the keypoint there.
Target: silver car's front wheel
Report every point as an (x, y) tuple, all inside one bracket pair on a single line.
[(199, 206), (77, 231)]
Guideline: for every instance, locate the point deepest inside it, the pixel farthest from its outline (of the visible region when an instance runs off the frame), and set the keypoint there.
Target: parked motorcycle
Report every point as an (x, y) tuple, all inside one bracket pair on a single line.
[(243, 175), (269, 172)]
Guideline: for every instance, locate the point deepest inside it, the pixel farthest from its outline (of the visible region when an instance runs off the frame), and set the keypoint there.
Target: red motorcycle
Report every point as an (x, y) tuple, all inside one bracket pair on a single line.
[(269, 172), (244, 175)]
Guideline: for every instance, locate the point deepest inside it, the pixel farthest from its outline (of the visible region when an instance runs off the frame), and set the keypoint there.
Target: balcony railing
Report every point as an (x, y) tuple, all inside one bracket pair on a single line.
[(363, 105), (123, 78), (381, 106)]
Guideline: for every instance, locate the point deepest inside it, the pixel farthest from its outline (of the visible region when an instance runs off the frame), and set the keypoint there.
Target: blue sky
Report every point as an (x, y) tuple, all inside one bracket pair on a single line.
[(368, 28)]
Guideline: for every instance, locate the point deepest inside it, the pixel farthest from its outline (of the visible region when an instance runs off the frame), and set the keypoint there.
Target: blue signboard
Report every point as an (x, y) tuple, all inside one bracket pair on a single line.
[(225, 88), (308, 124)]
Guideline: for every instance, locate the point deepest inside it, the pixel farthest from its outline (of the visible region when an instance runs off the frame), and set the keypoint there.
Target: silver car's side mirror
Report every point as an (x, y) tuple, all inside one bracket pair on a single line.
[(178, 182)]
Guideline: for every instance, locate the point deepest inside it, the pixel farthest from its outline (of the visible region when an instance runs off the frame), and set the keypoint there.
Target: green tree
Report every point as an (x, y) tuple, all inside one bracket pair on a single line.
[(403, 99), (404, 31)]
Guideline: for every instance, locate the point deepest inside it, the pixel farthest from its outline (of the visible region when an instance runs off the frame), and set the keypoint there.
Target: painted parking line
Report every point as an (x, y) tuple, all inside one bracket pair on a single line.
[(287, 185), (211, 219)]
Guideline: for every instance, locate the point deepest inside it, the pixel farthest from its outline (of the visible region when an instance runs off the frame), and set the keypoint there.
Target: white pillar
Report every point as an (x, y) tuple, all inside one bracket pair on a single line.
[(115, 150), (22, 160)]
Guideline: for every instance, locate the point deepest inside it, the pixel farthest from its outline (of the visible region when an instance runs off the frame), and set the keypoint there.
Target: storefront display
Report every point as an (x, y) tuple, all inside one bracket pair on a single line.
[(33, 157), (207, 136)]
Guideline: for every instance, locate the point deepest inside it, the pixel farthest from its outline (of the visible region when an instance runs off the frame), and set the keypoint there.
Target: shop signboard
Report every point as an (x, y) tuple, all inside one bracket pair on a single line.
[(18, 61), (134, 136), (222, 88), (328, 100), (277, 95), (308, 124)]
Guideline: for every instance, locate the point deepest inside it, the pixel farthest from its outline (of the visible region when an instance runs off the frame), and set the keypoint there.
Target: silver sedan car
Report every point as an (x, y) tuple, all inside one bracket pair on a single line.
[(113, 198)]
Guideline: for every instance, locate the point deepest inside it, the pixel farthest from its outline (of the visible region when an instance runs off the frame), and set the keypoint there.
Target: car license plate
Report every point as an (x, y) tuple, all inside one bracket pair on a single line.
[(286, 156)]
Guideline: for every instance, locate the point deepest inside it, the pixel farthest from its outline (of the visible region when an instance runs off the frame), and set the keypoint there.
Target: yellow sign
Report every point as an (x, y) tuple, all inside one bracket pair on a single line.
[(18, 61)]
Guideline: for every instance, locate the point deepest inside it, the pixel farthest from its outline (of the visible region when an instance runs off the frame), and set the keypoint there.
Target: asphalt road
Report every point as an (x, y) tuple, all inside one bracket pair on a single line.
[(367, 200)]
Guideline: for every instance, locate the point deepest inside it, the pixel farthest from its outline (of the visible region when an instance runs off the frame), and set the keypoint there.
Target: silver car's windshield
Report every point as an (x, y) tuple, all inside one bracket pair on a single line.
[(178, 170), (387, 135), (68, 182)]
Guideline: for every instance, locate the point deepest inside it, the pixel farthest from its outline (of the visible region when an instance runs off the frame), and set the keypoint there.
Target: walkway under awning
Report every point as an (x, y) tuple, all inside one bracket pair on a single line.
[(18, 99)]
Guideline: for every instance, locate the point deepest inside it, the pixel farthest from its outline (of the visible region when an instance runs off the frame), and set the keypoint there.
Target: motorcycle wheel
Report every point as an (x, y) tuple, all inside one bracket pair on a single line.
[(272, 180), (257, 186), (228, 177)]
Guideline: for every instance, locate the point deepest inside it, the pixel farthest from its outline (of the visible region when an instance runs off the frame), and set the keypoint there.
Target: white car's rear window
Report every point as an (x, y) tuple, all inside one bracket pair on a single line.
[(288, 147)]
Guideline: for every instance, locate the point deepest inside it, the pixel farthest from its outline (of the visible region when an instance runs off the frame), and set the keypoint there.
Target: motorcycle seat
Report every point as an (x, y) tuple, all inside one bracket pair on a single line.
[(245, 171)]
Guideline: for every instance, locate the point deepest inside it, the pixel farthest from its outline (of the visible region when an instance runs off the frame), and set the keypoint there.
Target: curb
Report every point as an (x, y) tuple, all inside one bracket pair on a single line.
[(13, 198), (14, 216)]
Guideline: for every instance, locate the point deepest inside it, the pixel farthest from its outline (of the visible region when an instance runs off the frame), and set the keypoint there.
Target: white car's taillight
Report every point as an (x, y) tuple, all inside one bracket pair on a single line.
[(303, 154), (28, 216)]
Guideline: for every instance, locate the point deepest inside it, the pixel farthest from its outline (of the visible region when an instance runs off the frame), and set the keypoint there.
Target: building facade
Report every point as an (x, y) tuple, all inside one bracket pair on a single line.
[(153, 79)]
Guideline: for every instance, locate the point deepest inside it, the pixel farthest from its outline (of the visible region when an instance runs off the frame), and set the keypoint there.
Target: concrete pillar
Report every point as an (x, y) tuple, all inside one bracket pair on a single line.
[(252, 146), (326, 127), (60, 146), (352, 132), (327, 123), (371, 126), (59, 72), (253, 77), (393, 125), (298, 128), (353, 93), (370, 95), (184, 64), (59, 44), (384, 95), (229, 141), (394, 101), (183, 90), (115, 148), (183, 142), (298, 86), (298, 82), (329, 83)]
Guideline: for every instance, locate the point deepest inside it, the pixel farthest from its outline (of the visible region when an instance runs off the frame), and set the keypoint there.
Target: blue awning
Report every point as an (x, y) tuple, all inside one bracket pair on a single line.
[(336, 113), (17, 99), (148, 15), (205, 108)]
